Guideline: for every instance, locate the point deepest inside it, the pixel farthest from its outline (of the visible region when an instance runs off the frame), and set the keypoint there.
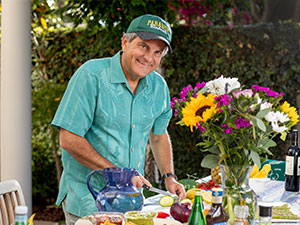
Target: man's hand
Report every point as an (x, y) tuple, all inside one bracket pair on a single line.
[(175, 188), (139, 181)]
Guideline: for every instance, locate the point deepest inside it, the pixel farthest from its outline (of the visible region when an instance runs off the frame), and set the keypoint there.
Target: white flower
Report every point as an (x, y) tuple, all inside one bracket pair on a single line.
[(218, 86), (277, 128), (282, 117), (271, 117), (266, 105), (274, 118)]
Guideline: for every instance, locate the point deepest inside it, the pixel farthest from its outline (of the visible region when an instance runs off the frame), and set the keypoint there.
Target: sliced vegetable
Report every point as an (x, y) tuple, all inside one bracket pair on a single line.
[(162, 215), (166, 201)]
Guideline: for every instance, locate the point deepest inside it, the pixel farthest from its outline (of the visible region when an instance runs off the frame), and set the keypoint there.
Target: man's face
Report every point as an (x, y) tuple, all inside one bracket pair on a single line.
[(141, 57)]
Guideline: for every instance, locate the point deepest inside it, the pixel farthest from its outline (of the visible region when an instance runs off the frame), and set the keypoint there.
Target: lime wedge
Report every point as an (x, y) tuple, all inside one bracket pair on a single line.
[(166, 201), (187, 200)]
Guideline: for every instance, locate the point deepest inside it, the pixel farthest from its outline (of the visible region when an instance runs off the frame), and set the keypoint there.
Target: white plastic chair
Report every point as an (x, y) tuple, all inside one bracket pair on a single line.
[(11, 195)]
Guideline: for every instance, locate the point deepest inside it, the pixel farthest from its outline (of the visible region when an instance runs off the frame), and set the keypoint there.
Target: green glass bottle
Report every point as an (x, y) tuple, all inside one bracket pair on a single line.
[(196, 217), (21, 215)]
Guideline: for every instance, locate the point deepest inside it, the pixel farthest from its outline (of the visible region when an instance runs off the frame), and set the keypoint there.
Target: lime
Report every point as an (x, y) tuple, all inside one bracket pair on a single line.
[(166, 201), (187, 200)]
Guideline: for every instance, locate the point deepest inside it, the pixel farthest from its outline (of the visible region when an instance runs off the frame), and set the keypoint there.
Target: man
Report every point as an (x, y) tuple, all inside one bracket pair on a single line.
[(110, 110)]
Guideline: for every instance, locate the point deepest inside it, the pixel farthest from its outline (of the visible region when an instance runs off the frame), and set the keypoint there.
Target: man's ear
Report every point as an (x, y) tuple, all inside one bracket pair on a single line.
[(124, 43)]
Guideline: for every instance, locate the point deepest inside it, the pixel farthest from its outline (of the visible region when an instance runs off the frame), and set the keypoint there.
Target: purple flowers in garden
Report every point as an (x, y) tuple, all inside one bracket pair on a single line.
[(267, 90)]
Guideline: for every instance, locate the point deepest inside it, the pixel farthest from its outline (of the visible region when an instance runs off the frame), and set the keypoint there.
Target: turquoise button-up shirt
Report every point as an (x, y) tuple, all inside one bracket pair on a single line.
[(99, 105)]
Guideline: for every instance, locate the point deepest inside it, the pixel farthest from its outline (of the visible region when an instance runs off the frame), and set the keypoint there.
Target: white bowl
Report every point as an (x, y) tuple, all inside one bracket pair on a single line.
[(258, 184)]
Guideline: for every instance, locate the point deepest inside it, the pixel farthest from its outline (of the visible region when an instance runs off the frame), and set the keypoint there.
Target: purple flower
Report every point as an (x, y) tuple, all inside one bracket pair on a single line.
[(199, 86), (223, 100), (185, 90), (273, 94), (176, 113), (173, 102), (241, 122), (200, 127), (226, 128), (259, 88)]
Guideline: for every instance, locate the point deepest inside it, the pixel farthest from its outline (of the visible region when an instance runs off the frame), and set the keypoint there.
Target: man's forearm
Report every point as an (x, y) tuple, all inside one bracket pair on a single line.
[(81, 150), (162, 151)]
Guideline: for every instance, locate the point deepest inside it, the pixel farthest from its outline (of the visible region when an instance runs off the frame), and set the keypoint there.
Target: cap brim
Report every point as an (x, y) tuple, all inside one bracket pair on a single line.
[(153, 36)]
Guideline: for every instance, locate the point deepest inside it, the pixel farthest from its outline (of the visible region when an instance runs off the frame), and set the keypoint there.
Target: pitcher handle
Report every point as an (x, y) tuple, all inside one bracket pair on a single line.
[(93, 192)]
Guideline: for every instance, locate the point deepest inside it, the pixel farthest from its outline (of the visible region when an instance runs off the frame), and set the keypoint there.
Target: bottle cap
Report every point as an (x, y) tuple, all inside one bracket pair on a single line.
[(265, 210), (21, 209)]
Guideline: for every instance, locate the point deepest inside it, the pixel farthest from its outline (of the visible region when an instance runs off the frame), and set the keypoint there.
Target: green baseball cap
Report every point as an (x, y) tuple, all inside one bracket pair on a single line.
[(150, 27)]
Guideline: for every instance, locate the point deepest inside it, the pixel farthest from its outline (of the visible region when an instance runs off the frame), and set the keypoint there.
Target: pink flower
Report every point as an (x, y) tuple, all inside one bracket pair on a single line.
[(246, 93), (241, 122)]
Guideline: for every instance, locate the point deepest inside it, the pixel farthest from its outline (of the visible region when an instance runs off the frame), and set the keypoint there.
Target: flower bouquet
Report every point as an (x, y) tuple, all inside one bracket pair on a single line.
[(237, 129)]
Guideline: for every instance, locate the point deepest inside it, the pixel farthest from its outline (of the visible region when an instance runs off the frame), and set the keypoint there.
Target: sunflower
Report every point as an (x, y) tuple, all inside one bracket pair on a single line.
[(199, 109), (291, 111)]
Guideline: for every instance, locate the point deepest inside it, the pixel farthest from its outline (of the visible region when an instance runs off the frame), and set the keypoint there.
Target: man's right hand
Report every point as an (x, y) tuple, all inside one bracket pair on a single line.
[(139, 181)]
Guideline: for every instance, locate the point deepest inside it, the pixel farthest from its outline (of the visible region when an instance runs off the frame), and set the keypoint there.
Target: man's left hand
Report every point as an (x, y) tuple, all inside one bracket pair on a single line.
[(175, 188)]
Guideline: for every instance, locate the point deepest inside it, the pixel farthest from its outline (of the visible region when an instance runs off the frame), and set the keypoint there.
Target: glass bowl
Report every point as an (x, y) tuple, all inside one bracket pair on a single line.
[(113, 217)]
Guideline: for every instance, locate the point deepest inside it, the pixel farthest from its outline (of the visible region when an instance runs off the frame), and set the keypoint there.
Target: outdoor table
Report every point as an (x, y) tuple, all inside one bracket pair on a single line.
[(273, 194)]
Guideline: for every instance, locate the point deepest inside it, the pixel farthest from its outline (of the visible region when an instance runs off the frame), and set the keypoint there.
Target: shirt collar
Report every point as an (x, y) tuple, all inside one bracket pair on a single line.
[(117, 74)]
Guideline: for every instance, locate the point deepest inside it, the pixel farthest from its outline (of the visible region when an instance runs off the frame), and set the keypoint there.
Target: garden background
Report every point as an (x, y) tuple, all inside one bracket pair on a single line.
[(257, 41)]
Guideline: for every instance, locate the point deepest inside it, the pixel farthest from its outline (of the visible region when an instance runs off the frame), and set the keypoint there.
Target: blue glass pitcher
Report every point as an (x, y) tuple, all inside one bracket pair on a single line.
[(119, 194)]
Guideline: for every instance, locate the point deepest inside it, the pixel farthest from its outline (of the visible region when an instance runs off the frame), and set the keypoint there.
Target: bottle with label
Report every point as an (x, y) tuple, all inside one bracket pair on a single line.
[(216, 215), (21, 215), (196, 217), (240, 214), (265, 215), (292, 166)]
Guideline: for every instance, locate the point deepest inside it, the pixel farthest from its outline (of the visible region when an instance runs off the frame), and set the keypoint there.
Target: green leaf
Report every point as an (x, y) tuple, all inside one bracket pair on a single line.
[(214, 149), (181, 123), (261, 114), (261, 124), (210, 161), (266, 143), (255, 157)]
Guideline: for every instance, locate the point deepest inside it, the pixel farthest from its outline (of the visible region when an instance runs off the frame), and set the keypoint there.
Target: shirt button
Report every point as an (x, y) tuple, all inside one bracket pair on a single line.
[(133, 126), (132, 149)]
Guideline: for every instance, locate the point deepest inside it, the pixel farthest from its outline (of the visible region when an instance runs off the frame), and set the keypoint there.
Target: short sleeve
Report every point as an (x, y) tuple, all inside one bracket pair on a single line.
[(77, 107)]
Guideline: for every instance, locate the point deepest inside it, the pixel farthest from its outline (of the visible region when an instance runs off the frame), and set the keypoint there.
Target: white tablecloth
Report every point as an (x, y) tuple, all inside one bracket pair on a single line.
[(273, 194)]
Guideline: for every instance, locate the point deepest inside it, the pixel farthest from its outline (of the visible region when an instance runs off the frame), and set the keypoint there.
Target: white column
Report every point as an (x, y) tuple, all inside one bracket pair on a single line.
[(16, 95)]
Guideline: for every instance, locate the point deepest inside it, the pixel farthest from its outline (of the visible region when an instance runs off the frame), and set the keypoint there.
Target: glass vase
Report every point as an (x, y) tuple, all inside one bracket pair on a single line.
[(235, 183)]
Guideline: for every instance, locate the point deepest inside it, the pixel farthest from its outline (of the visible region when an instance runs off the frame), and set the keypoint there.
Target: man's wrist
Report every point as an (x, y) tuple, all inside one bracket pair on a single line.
[(166, 175)]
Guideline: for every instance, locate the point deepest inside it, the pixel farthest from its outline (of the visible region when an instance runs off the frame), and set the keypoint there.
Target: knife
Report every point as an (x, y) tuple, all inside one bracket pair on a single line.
[(156, 190)]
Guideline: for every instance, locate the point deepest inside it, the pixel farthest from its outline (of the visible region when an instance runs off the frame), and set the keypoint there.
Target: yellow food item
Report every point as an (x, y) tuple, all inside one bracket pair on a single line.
[(129, 223), (254, 171), (107, 222), (206, 196), (263, 172), (190, 194), (187, 200)]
